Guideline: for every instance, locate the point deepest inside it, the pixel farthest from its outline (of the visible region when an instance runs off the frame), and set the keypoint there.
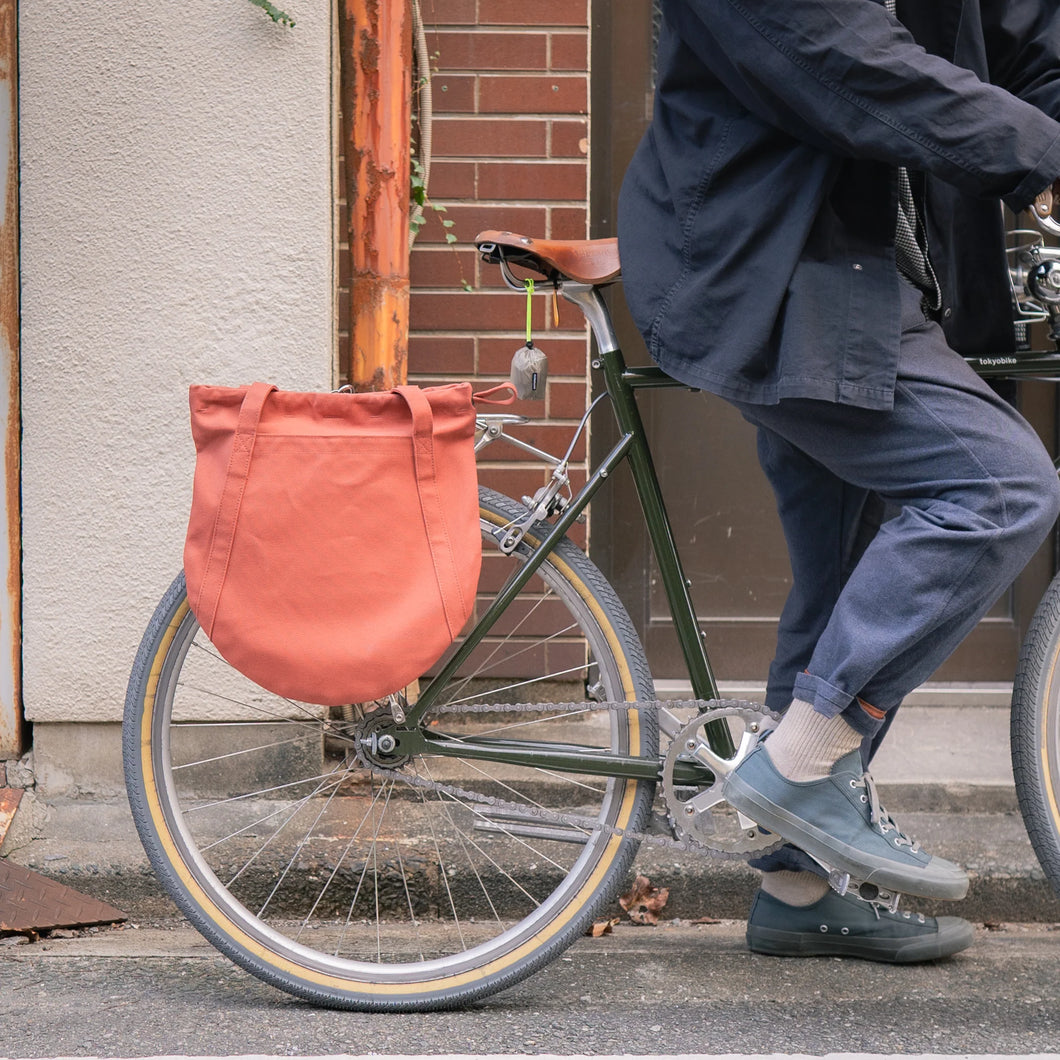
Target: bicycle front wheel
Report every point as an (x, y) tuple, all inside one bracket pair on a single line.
[(1035, 732), (423, 885)]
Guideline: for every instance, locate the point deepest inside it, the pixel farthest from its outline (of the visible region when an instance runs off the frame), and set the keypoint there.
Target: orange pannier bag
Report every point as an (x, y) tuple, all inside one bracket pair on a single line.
[(333, 548)]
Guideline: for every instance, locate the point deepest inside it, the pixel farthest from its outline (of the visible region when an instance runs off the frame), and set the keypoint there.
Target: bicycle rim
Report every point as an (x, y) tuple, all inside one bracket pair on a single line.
[(357, 889), (1035, 733)]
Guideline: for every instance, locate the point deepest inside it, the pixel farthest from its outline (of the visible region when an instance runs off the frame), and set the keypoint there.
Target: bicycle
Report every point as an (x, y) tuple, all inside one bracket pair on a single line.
[(445, 843)]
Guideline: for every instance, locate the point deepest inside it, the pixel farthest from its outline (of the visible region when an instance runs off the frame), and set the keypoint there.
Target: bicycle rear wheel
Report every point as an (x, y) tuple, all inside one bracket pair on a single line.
[(1035, 732), (405, 889)]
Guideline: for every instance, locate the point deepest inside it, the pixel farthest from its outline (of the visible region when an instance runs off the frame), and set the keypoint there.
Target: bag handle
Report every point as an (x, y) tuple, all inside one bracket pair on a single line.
[(224, 527), (489, 397), (432, 508)]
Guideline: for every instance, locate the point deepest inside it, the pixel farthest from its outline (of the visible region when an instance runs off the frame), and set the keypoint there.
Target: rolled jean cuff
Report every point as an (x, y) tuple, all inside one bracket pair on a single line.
[(831, 701), (787, 859)]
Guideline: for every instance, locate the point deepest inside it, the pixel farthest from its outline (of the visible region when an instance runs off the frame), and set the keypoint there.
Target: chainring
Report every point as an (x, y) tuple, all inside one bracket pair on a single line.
[(702, 816)]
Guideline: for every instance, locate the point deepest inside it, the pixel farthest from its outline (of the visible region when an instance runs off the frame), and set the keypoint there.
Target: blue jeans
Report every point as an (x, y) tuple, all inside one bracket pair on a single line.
[(903, 527)]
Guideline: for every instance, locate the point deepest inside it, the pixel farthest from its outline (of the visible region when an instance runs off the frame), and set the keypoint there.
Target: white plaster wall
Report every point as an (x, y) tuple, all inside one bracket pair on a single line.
[(176, 228)]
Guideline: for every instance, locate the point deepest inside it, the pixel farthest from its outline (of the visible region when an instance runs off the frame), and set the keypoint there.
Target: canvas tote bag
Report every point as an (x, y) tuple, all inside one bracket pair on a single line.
[(333, 548)]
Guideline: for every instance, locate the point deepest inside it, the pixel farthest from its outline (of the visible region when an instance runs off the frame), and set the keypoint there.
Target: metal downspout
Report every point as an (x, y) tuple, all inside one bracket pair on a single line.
[(11, 730)]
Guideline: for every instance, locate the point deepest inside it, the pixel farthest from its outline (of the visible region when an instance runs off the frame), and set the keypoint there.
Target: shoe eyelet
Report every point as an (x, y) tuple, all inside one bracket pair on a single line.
[(846, 931), (824, 929), (853, 783), (864, 798)]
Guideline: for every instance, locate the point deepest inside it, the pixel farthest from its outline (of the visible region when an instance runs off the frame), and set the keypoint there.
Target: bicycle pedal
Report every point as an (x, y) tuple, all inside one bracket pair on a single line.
[(843, 883)]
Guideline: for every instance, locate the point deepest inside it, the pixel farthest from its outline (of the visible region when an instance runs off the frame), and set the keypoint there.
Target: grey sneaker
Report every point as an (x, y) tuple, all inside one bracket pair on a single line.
[(845, 926), (839, 821)]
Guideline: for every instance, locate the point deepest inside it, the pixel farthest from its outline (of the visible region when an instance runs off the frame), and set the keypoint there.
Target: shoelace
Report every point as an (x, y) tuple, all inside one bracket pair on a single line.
[(881, 818)]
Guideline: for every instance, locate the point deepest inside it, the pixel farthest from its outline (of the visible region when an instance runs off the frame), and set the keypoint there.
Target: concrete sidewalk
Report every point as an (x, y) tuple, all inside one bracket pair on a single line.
[(945, 774)]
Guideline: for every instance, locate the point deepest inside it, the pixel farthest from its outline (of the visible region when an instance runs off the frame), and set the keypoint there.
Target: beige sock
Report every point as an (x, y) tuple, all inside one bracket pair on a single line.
[(806, 744), (794, 888)]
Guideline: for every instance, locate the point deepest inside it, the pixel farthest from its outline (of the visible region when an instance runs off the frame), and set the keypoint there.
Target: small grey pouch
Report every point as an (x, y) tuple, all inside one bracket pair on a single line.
[(529, 373)]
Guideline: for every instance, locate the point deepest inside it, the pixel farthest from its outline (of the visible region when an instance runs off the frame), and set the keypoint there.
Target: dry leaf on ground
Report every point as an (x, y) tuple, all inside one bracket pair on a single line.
[(602, 927), (644, 902)]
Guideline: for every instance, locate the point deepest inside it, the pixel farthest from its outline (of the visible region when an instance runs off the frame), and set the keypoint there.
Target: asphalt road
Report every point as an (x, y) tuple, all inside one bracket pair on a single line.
[(674, 989)]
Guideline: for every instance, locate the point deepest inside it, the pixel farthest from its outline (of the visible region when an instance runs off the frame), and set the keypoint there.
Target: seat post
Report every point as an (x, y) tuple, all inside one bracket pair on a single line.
[(589, 300)]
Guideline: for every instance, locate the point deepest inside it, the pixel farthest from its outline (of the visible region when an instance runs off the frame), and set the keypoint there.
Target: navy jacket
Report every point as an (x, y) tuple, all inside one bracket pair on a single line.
[(757, 218)]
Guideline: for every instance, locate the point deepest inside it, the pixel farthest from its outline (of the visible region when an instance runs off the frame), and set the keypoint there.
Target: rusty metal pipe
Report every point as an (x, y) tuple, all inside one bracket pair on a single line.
[(11, 729), (375, 39)]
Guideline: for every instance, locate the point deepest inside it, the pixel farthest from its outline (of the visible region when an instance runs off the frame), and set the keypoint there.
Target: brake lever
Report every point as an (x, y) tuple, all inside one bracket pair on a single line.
[(1042, 211)]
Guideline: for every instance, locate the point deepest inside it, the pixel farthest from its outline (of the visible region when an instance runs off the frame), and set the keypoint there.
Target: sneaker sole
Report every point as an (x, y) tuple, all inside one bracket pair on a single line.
[(953, 936), (837, 855)]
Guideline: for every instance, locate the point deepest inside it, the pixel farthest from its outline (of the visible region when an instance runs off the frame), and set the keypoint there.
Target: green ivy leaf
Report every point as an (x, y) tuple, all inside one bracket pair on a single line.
[(274, 13), (417, 184)]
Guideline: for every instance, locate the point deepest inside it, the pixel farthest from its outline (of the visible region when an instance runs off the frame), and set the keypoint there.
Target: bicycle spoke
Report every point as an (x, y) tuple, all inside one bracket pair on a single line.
[(334, 872), (364, 872), (530, 802), (212, 653), (261, 792), (446, 809), (443, 874), (291, 816), (245, 829), (484, 665), (554, 676), (533, 721), (297, 851), (312, 722), (408, 896), (500, 868), (290, 742), (472, 808), (507, 660)]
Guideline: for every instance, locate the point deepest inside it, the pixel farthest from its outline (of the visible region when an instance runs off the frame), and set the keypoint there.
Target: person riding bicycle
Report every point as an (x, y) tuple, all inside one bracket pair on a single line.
[(811, 229)]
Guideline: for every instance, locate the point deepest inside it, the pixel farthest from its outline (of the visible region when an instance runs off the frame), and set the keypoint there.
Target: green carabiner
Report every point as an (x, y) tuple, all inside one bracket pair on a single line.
[(529, 284)]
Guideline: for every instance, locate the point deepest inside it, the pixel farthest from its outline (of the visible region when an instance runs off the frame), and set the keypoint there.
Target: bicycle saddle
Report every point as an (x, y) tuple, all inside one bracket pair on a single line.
[(593, 261)]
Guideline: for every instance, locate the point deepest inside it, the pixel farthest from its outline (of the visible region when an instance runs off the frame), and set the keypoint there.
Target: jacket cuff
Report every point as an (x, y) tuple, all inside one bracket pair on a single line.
[(1047, 170)]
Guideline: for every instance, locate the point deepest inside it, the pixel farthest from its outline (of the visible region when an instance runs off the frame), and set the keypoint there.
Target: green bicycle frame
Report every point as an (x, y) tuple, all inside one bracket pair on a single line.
[(621, 385)]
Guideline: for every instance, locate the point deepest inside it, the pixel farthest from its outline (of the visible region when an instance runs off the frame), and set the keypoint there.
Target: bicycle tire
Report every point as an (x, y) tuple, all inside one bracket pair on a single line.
[(203, 832), (1035, 732)]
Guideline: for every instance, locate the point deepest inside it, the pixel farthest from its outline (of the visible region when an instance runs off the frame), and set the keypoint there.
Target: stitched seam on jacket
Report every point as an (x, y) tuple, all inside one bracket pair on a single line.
[(686, 236)]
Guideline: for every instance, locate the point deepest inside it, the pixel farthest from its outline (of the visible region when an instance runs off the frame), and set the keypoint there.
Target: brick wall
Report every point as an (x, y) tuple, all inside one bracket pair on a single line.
[(510, 151)]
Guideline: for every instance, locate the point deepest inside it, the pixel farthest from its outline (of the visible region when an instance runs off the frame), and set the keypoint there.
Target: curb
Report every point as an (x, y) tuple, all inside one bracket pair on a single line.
[(93, 848)]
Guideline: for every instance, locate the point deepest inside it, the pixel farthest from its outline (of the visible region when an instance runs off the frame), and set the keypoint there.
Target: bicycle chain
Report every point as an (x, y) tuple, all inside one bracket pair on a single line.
[(722, 707)]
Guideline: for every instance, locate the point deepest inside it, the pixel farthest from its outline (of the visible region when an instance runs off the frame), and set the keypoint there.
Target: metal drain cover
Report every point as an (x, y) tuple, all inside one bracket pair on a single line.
[(30, 902)]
